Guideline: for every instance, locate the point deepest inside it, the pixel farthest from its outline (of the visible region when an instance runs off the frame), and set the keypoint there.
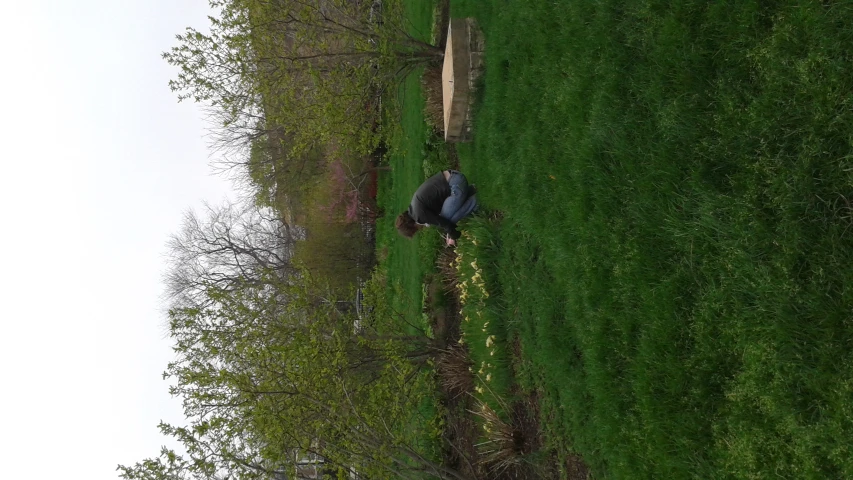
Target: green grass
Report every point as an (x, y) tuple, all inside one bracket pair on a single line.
[(406, 261), (403, 263), (676, 245)]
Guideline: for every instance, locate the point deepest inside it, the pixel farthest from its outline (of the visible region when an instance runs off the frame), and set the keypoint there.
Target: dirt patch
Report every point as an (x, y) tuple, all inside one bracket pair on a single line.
[(431, 80), (576, 469), (444, 312), (443, 21), (460, 437)]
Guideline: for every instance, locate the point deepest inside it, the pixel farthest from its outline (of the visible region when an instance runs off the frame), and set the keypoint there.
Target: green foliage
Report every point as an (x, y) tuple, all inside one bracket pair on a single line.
[(265, 373), (336, 247), (435, 156), (315, 70), (167, 466)]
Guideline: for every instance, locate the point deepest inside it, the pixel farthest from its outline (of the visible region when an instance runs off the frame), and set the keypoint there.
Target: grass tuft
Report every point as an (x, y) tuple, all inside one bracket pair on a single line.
[(503, 444), (446, 266), (455, 370)]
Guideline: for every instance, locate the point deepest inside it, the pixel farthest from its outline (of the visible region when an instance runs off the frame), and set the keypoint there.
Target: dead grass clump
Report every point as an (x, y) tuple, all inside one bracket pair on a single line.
[(446, 264), (455, 370), (434, 109), (504, 446)]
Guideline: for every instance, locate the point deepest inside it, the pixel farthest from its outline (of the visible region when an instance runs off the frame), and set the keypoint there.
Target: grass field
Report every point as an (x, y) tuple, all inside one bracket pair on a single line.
[(675, 252)]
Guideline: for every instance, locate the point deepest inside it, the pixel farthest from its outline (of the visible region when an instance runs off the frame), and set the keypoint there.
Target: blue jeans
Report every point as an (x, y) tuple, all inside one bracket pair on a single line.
[(458, 205)]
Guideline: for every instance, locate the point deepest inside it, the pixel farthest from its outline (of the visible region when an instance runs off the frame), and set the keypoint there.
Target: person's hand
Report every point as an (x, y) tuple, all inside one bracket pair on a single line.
[(450, 242)]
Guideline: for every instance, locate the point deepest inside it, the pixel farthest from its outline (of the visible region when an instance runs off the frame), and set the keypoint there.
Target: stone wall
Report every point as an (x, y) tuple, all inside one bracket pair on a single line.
[(463, 65)]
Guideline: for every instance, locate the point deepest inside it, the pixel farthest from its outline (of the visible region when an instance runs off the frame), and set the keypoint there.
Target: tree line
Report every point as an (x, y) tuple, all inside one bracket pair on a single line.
[(269, 364)]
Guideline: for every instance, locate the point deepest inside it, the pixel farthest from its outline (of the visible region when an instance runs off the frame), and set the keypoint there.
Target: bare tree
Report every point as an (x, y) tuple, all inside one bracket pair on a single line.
[(230, 246)]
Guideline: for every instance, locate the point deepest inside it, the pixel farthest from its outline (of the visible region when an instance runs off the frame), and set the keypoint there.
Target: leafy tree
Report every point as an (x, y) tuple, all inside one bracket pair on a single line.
[(261, 379), (167, 466), (311, 67), (349, 188)]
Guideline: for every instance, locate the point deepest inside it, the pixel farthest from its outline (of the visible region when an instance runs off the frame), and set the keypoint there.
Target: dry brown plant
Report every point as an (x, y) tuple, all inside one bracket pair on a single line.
[(434, 109), (447, 269), (455, 370), (503, 447)]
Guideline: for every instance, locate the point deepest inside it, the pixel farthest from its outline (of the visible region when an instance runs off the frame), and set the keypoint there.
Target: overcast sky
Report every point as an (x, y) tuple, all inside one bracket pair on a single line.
[(99, 162)]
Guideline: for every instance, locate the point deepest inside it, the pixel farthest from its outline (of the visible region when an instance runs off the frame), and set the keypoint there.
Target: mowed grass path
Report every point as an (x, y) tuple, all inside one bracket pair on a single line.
[(676, 254), (406, 261)]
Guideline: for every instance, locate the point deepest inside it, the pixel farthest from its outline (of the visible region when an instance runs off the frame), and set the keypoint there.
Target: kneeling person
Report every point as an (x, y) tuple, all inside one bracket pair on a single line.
[(442, 200)]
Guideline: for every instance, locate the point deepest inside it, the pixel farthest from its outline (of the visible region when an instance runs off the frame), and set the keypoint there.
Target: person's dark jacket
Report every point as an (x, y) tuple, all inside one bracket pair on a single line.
[(427, 202)]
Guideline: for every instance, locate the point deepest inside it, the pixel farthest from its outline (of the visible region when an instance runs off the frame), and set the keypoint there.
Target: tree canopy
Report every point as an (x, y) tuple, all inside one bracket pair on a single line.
[(312, 68)]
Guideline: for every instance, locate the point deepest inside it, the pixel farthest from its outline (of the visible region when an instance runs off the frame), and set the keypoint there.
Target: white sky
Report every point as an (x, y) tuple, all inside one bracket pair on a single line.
[(97, 163)]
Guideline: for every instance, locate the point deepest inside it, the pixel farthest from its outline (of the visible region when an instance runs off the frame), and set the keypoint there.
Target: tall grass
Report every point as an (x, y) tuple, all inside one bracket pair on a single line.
[(676, 245)]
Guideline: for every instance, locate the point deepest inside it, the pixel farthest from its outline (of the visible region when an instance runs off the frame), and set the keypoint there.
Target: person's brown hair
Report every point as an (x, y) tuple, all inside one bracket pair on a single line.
[(406, 225)]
